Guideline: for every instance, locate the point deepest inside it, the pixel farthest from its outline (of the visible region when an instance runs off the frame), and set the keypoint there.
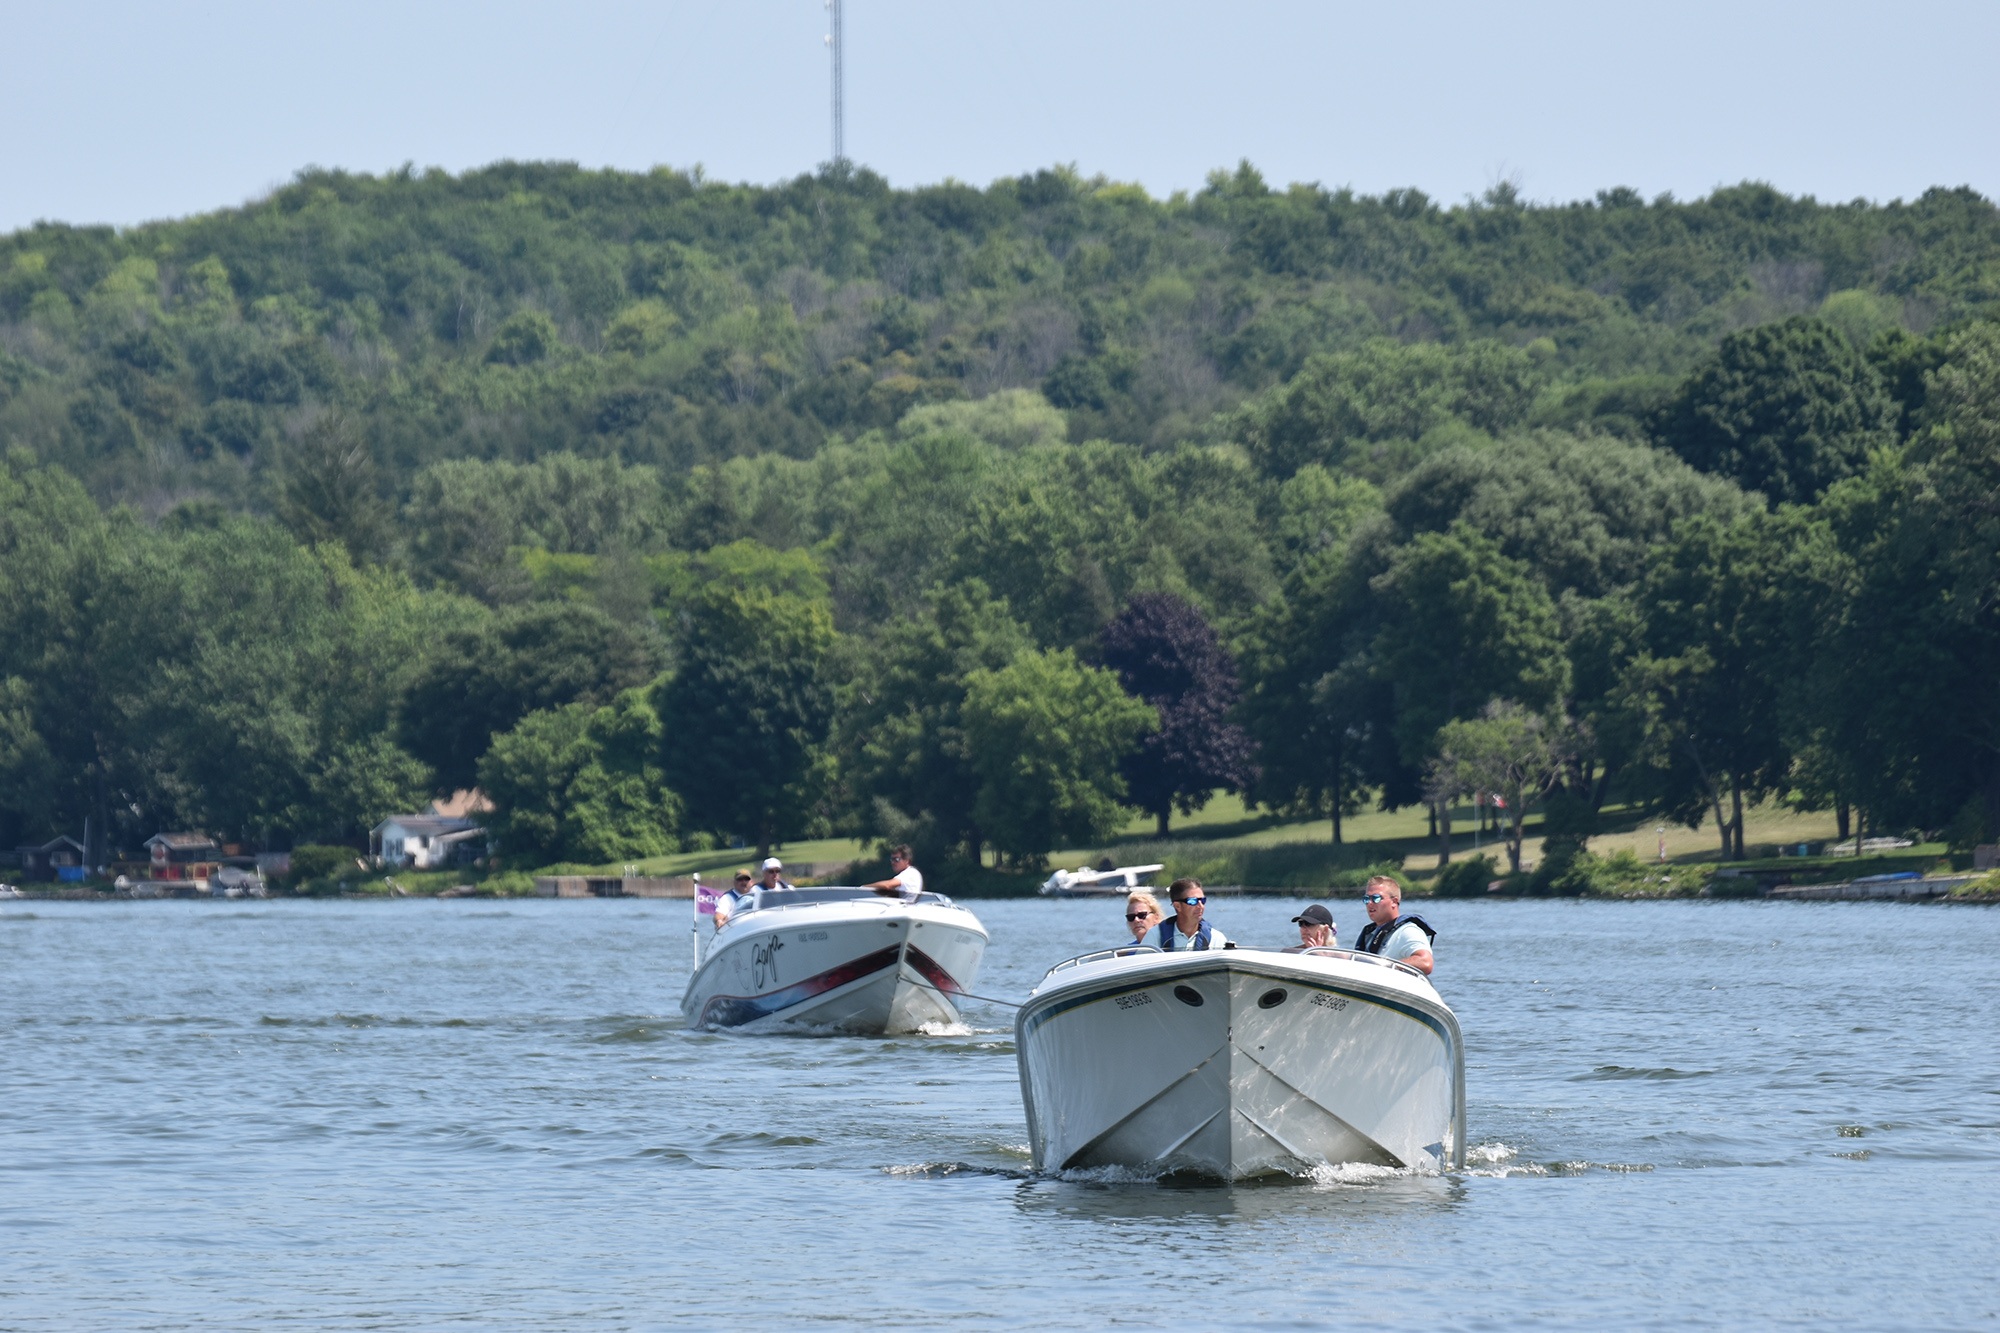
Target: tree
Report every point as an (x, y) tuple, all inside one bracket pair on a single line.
[(1166, 654), (1786, 409), (1384, 391), (1463, 624), (1047, 735), (1905, 688), (362, 783), (1507, 751), (903, 739), (1582, 513), (485, 679), (747, 712), (528, 336), (579, 783), (330, 490), (1321, 718), (1718, 650)]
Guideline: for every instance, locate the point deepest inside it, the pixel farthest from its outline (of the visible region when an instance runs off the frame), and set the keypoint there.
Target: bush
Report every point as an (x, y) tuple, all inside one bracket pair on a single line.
[(1464, 879), (314, 863), (1354, 879)]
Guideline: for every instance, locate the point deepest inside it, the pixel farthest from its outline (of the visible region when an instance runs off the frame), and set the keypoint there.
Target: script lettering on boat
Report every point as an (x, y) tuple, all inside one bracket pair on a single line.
[(764, 960)]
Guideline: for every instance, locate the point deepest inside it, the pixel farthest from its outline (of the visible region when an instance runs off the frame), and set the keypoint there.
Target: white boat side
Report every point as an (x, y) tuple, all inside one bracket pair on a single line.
[(1240, 1062), (837, 958)]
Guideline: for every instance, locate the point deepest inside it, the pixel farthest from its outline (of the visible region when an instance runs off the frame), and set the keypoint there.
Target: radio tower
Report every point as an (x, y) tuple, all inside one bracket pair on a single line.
[(839, 92)]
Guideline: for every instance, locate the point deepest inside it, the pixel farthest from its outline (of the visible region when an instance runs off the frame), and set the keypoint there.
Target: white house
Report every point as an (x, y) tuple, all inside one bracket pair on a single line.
[(425, 842)]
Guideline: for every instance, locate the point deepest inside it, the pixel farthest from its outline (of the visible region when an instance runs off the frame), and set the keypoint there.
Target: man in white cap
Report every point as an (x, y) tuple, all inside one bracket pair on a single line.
[(773, 879)]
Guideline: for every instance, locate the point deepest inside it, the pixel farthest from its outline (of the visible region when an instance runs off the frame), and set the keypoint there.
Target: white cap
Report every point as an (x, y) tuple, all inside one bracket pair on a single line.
[(773, 863)]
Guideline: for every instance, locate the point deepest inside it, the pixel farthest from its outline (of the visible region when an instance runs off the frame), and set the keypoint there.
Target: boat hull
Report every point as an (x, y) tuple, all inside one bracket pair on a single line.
[(864, 966), (1239, 1063)]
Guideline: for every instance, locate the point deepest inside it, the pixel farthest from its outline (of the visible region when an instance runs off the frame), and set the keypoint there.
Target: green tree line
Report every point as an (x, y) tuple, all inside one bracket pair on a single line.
[(667, 510)]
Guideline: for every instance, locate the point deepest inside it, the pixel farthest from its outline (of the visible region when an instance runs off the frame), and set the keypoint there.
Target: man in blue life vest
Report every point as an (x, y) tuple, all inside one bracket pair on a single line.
[(1187, 930), (1407, 939), (725, 906)]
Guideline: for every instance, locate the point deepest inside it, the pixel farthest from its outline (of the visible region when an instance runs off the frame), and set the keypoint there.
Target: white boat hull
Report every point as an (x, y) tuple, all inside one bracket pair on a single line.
[(1238, 1063), (868, 965)]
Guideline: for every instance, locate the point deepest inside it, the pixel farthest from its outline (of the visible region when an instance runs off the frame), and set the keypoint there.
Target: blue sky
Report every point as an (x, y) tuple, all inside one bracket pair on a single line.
[(120, 111)]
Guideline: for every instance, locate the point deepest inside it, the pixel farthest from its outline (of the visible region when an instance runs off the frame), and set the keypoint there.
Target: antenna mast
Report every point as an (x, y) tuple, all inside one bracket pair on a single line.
[(839, 91)]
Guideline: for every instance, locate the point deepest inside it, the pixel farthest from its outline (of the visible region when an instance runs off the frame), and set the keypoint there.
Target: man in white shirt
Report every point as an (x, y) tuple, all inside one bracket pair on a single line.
[(905, 880), (726, 904), (1407, 939), (774, 874), (1187, 930)]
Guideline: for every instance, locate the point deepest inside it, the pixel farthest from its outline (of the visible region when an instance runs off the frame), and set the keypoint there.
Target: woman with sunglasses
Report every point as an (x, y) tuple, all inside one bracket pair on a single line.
[(1187, 930), (1142, 913)]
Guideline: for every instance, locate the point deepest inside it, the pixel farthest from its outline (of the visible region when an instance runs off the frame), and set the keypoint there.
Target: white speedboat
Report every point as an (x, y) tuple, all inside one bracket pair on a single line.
[(839, 958), (1240, 1062), (1084, 882)]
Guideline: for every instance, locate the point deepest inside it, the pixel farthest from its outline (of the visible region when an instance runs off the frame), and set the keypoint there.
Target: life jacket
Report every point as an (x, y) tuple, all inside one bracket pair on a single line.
[(1374, 937), (1170, 931)]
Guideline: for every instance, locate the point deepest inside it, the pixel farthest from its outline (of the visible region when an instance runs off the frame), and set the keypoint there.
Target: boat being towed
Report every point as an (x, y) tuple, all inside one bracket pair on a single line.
[(841, 958), (1240, 1062)]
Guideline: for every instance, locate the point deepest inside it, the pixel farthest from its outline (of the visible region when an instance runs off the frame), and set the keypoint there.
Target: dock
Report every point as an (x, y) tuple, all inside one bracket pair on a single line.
[(1882, 890)]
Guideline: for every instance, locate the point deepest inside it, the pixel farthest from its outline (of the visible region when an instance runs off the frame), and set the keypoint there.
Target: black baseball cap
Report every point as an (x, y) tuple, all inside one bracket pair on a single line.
[(1314, 916)]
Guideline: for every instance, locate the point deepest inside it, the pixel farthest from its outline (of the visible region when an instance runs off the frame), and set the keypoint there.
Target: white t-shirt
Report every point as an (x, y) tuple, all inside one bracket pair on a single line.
[(912, 881), (725, 906), (1409, 938)]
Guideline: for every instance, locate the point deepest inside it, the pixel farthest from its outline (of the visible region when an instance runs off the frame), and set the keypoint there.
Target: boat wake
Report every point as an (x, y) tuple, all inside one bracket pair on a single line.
[(1499, 1161), (947, 1170)]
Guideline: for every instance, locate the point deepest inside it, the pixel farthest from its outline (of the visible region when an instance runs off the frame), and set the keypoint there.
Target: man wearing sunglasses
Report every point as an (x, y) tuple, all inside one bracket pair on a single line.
[(1187, 930), (1407, 939), (905, 880)]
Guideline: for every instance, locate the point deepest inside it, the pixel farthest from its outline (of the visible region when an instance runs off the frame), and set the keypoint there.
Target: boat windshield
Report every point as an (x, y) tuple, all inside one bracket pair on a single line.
[(764, 899)]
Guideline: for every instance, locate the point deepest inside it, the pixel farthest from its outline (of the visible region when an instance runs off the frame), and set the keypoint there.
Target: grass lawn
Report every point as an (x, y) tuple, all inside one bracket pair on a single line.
[(1225, 843)]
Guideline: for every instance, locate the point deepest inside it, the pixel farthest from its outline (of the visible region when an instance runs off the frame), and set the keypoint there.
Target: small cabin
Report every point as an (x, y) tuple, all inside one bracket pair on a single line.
[(60, 858), (426, 842), (182, 855)]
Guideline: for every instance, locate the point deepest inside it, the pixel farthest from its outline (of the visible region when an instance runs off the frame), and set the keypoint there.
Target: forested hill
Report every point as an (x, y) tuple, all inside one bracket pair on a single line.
[(667, 509), (668, 320)]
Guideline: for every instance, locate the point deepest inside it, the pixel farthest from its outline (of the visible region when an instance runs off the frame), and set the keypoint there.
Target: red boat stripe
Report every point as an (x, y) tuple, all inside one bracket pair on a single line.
[(933, 973)]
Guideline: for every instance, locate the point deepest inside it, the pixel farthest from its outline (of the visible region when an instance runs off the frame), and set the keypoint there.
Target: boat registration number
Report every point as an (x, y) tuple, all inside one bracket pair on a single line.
[(808, 936), (1133, 1001), (1325, 1001)]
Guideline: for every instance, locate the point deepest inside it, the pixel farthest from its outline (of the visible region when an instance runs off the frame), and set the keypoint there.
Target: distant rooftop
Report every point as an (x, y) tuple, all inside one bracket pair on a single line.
[(180, 842), (427, 826)]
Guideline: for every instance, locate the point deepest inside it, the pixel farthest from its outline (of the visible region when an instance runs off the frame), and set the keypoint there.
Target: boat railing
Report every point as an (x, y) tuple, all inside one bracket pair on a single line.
[(1357, 956), (784, 900), (1093, 957)]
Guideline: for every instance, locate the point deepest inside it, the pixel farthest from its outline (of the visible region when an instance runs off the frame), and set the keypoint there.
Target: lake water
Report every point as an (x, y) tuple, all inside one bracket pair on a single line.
[(476, 1114)]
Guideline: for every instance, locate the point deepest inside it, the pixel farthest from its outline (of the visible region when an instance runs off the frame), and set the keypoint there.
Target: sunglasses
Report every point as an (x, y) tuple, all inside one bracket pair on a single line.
[(1189, 902), (1374, 897), (1137, 916)]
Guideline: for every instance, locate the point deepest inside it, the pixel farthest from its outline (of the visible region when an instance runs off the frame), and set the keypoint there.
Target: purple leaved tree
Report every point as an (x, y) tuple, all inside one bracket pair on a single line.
[(1165, 653)]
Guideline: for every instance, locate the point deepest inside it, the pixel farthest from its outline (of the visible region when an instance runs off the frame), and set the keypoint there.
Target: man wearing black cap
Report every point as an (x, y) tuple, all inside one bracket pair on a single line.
[(1316, 930)]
